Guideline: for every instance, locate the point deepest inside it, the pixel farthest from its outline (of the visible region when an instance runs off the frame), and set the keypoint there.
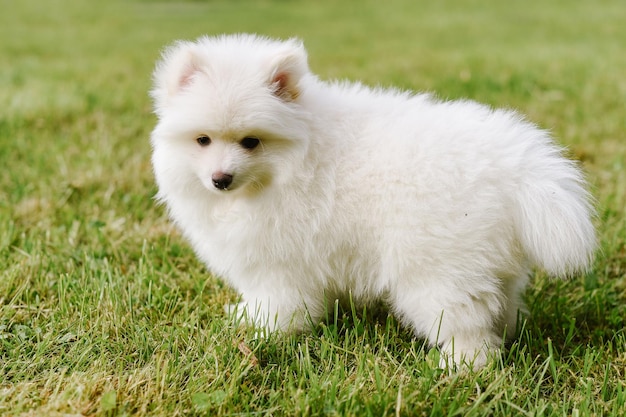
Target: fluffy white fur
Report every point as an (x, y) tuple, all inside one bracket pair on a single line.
[(439, 209)]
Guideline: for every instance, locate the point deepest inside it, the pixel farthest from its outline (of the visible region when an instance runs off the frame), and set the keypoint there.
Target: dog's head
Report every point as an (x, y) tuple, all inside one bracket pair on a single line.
[(229, 113)]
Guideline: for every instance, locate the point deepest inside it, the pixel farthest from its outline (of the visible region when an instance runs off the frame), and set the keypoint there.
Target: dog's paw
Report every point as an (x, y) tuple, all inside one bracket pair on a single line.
[(247, 314), (458, 355), (236, 310)]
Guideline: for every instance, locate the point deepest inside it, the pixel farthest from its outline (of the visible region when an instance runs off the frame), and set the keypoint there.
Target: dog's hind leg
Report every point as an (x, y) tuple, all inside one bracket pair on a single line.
[(463, 322)]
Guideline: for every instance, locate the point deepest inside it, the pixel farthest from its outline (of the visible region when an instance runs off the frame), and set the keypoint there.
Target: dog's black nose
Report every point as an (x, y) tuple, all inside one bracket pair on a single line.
[(221, 181)]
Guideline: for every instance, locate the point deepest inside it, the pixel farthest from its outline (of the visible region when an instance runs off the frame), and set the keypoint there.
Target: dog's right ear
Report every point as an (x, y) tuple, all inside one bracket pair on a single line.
[(287, 68), (176, 69)]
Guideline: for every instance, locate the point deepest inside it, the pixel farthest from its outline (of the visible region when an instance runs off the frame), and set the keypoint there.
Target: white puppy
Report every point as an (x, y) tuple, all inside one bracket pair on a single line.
[(299, 192)]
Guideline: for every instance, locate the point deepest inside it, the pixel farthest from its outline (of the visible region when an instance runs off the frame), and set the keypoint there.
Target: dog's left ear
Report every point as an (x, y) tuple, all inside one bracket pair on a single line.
[(287, 69), (175, 71)]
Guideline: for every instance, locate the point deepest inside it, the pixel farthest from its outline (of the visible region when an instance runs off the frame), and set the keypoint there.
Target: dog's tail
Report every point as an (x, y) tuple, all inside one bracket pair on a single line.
[(554, 218)]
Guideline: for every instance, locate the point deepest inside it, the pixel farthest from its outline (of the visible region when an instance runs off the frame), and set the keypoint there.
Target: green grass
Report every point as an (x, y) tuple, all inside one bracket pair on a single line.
[(104, 309)]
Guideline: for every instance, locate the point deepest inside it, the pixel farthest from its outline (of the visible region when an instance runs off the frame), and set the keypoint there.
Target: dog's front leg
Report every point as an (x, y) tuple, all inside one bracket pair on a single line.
[(273, 311)]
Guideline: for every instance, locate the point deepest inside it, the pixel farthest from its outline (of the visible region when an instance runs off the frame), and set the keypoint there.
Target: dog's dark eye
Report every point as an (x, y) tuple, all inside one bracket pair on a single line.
[(203, 140), (250, 142)]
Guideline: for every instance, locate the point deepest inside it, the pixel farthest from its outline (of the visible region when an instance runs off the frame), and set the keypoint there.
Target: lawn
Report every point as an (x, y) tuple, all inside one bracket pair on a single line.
[(104, 309)]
